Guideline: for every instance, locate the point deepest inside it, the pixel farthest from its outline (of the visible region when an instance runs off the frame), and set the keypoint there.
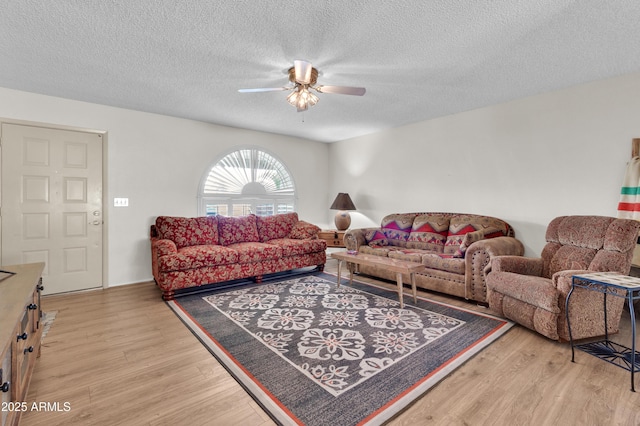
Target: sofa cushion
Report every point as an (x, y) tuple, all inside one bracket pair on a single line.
[(275, 226), (429, 232), (193, 257), (462, 224), (241, 229), (584, 231), (294, 247), (188, 231), (375, 250), (614, 261), (443, 262), (397, 226), (469, 238), (249, 252), (571, 257), (407, 255), (456, 237), (535, 291), (304, 230), (615, 239), (375, 237)]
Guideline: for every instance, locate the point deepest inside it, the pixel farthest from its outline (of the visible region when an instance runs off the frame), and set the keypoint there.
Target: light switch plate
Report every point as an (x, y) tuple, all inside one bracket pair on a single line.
[(120, 202)]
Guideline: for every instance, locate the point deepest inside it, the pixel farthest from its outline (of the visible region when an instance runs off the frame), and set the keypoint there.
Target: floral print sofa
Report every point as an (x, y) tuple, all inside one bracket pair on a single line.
[(456, 249), (190, 252)]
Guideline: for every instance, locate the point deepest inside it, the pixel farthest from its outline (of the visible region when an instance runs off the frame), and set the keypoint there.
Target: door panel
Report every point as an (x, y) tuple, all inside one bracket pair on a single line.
[(52, 204)]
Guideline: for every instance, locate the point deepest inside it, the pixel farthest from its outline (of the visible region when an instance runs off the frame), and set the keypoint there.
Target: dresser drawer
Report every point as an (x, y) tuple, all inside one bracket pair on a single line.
[(333, 238)]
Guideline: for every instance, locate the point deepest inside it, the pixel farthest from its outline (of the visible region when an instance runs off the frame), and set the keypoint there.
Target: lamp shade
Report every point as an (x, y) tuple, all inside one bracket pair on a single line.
[(342, 202)]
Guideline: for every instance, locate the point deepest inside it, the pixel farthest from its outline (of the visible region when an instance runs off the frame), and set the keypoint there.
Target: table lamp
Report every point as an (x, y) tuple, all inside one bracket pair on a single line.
[(342, 203)]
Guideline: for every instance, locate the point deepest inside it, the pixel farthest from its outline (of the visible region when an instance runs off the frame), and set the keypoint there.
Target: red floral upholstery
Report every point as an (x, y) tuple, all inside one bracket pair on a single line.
[(197, 257), (302, 230), (243, 229), (256, 252), (183, 254), (276, 226), (188, 231), (166, 247), (295, 247)]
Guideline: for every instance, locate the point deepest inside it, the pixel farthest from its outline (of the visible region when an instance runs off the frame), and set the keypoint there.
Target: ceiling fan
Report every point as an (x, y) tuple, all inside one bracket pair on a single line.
[(303, 76)]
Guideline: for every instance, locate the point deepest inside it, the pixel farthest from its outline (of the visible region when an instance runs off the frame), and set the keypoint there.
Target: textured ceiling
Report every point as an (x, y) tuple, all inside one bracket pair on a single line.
[(418, 59)]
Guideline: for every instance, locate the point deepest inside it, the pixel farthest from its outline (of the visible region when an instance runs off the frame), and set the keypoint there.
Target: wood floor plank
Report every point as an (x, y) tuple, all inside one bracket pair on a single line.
[(121, 356)]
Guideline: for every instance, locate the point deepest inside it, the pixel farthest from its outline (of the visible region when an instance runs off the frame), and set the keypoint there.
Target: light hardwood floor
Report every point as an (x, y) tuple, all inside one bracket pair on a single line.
[(121, 357)]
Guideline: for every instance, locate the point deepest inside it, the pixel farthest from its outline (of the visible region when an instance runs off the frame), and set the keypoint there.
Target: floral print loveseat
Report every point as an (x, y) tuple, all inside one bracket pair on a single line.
[(456, 249), (190, 252)]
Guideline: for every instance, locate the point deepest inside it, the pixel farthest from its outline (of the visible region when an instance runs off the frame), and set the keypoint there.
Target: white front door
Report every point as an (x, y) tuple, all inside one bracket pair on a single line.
[(51, 207)]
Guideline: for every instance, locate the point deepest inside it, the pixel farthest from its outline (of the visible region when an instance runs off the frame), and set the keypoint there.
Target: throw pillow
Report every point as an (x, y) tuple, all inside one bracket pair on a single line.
[(469, 238), (375, 237), (462, 224), (276, 226), (397, 226), (456, 236), (241, 229), (304, 230), (429, 232), (188, 231)]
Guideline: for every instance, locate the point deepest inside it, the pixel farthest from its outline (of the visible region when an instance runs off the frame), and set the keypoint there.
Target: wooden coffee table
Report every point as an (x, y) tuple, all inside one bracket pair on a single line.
[(398, 266)]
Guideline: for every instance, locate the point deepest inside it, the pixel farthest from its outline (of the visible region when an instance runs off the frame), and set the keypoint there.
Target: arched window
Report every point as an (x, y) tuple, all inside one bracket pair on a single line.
[(247, 181)]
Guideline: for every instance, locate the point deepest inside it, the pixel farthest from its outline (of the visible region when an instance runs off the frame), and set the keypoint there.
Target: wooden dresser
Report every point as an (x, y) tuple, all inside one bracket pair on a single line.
[(20, 336), (332, 237)]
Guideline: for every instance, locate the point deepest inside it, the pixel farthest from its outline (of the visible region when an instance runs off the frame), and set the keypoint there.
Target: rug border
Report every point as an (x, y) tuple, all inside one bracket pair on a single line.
[(279, 413), (256, 390)]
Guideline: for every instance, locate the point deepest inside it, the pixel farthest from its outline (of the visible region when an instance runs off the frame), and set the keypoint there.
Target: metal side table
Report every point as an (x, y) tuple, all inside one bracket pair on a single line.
[(609, 283)]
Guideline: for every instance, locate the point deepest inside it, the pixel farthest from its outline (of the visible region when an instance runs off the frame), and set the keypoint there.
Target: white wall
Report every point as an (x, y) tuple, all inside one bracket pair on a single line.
[(525, 161), (157, 162)]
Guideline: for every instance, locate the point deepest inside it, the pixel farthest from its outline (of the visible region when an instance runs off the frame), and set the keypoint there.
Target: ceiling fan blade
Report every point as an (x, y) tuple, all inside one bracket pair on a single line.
[(265, 89), (303, 71), (343, 90)]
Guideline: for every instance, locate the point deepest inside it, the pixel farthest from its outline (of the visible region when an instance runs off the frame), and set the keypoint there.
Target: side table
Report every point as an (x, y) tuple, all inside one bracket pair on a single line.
[(333, 238), (609, 283)]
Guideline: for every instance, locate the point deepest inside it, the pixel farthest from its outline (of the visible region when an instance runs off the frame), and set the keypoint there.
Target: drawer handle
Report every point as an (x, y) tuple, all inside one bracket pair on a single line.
[(5, 387), (32, 306), (29, 349), (22, 336)]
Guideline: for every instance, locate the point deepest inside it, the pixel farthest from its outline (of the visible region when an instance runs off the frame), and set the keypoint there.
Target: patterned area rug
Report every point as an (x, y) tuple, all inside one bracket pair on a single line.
[(311, 353)]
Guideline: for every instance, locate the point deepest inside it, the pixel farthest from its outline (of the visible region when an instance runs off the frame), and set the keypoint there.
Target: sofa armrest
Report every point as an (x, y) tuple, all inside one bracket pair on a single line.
[(518, 265), (354, 238), (160, 248), (562, 280), (164, 247), (478, 259), (304, 231), (586, 308)]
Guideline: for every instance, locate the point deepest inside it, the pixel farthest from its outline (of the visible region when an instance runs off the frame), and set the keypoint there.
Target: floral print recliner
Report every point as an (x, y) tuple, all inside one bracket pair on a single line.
[(190, 252), (532, 291)]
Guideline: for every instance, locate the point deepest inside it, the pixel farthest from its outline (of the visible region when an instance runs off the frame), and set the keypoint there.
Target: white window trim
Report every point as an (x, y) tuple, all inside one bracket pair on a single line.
[(275, 198)]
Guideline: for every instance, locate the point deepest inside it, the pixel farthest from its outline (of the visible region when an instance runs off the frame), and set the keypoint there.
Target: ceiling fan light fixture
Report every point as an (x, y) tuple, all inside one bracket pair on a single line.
[(303, 77), (301, 98)]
